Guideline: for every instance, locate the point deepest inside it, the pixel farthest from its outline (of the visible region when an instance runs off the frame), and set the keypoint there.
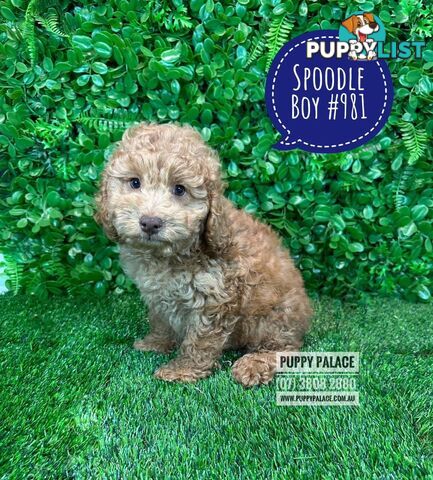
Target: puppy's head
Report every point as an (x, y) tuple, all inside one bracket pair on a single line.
[(161, 189)]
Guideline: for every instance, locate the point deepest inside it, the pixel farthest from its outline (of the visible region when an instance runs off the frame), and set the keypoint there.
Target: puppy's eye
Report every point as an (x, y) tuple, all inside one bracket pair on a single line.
[(179, 190), (135, 183)]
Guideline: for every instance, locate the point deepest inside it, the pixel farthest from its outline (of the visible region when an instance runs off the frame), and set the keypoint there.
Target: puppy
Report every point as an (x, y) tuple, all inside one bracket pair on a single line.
[(213, 277), (362, 26)]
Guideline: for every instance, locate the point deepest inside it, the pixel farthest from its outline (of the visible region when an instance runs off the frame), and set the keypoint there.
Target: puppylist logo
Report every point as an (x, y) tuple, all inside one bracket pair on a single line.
[(331, 90), (362, 37)]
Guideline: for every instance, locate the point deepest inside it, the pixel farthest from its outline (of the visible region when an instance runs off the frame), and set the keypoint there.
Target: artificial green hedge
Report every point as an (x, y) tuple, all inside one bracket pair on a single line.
[(73, 76)]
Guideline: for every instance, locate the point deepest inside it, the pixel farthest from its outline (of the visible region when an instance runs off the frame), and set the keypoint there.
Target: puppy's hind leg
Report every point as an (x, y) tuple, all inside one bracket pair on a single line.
[(281, 331), (258, 368)]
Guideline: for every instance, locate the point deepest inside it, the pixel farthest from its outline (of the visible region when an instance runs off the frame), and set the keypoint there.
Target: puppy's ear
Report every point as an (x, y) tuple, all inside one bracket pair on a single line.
[(369, 17), (217, 230), (102, 215), (350, 23)]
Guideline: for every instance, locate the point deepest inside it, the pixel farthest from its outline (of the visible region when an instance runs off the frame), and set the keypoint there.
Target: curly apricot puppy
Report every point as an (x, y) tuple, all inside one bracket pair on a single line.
[(214, 278)]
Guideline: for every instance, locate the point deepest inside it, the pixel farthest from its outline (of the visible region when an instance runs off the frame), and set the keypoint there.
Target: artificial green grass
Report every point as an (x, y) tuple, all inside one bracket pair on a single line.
[(76, 401)]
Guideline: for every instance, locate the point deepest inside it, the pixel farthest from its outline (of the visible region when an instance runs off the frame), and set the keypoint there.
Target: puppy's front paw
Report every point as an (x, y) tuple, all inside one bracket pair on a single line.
[(152, 343), (175, 371), (254, 369)]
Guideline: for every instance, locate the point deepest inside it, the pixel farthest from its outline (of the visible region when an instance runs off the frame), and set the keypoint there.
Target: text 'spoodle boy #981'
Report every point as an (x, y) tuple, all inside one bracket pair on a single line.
[(214, 278)]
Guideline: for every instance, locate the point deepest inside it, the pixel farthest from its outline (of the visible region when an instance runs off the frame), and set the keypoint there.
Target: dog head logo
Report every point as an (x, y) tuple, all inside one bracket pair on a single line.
[(361, 25), (362, 31)]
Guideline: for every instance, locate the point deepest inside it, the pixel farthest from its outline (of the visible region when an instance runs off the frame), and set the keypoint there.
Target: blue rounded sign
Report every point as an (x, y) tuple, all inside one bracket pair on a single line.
[(326, 102)]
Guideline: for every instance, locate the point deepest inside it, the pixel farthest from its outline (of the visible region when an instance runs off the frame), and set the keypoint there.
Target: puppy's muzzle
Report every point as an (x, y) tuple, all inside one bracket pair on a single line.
[(150, 225)]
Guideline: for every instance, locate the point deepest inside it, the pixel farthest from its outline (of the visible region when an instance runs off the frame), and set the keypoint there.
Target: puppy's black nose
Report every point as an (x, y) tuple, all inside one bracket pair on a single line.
[(373, 25), (150, 225)]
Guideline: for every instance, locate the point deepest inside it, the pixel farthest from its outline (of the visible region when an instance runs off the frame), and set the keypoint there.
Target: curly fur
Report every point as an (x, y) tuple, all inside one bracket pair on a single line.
[(214, 278)]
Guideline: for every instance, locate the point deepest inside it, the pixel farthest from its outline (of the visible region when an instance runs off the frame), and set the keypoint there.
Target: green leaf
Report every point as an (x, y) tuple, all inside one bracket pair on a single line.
[(82, 42), (322, 214), (97, 80), (103, 49), (368, 212), (419, 212), (423, 293), (338, 222), (356, 247), (22, 223), (170, 56), (233, 169), (408, 230), (99, 67), (7, 13), (83, 80)]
